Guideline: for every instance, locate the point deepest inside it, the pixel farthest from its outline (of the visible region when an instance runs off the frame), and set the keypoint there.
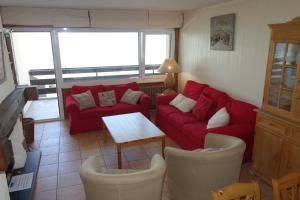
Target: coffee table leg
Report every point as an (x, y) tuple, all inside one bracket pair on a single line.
[(119, 156), (163, 144), (105, 133)]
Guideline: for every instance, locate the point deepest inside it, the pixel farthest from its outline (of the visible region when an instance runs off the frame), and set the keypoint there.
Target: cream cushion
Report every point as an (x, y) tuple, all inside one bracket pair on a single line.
[(107, 98), (183, 103), (85, 100), (219, 119), (131, 97)]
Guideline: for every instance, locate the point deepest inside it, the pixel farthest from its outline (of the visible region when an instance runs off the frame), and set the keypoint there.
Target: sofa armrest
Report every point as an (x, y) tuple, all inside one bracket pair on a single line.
[(145, 100), (243, 131), (72, 106), (165, 99)]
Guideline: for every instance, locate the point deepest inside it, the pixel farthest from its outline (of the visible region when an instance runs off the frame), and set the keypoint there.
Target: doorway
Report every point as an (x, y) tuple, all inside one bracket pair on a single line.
[(35, 67)]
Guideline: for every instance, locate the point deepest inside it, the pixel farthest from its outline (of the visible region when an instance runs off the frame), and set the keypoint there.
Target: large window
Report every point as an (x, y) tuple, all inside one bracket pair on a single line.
[(157, 49), (99, 54), (109, 55)]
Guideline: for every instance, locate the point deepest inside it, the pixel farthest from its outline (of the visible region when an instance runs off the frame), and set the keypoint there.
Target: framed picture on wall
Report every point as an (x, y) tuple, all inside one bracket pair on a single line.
[(222, 32), (2, 65)]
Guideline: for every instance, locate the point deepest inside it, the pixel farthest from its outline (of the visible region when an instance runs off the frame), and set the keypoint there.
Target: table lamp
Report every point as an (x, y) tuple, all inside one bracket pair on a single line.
[(169, 67)]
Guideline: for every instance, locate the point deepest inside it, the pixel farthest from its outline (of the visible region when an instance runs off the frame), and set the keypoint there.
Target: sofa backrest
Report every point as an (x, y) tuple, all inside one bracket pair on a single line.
[(241, 112), (193, 89), (95, 89), (121, 88), (220, 99)]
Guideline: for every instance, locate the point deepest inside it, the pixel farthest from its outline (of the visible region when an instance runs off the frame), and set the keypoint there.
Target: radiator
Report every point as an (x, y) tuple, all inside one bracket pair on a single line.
[(152, 91)]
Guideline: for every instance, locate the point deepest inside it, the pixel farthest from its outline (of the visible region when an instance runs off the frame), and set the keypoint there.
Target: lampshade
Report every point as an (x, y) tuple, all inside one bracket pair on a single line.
[(169, 66)]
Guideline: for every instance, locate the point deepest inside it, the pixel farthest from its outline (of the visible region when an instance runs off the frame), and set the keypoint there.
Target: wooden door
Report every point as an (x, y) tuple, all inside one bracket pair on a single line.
[(290, 158), (266, 153)]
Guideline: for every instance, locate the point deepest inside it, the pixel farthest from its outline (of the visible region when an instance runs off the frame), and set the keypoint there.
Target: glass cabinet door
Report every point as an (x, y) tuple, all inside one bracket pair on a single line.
[(283, 75)]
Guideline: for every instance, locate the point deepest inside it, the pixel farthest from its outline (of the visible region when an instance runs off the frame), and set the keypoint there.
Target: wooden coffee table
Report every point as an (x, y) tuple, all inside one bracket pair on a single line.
[(131, 130)]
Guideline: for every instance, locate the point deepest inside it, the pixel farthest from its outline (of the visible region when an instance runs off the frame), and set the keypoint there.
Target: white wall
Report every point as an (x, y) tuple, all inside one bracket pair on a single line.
[(16, 137), (240, 72)]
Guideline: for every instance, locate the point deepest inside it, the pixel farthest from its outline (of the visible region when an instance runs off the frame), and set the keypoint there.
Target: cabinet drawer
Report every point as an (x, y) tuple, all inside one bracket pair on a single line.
[(271, 124)]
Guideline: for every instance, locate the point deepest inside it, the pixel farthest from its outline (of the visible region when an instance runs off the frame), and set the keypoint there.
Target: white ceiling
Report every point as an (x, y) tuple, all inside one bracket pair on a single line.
[(178, 5)]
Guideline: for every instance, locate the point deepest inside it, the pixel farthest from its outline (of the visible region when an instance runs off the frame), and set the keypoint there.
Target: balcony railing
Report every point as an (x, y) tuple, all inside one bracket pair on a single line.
[(45, 80)]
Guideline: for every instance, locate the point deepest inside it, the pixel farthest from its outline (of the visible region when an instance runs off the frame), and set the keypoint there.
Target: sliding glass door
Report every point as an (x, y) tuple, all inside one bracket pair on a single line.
[(35, 66)]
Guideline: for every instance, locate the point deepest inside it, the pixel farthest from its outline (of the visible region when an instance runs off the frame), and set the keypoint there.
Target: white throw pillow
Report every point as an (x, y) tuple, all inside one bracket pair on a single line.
[(219, 119), (183, 103)]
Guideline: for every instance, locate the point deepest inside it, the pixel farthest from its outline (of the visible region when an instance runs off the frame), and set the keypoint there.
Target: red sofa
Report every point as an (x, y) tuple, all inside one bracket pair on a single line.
[(90, 119), (189, 133)]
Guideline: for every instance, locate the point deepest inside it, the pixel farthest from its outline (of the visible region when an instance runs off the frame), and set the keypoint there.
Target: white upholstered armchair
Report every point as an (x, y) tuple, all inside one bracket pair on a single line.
[(192, 175), (123, 184)]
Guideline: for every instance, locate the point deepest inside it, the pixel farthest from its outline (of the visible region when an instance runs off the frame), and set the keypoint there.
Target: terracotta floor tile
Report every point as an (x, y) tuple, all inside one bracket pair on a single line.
[(70, 179), (108, 150), (71, 193), (47, 183), (51, 134), (151, 151), (69, 156), (49, 142), (91, 152), (140, 164), (90, 146), (100, 160), (46, 195), (69, 167), (111, 160), (49, 150), (48, 160), (63, 148), (135, 154), (47, 170), (68, 140)]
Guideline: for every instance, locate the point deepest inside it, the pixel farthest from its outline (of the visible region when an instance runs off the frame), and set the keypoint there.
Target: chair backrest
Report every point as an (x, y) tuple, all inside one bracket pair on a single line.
[(112, 184), (238, 191), (287, 187), (193, 174)]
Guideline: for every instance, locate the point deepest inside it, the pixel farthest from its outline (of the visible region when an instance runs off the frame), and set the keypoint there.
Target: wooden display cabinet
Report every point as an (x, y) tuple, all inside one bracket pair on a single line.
[(277, 137)]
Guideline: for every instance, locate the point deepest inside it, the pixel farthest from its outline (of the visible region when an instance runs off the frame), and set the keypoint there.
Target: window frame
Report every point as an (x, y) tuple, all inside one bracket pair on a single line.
[(141, 53)]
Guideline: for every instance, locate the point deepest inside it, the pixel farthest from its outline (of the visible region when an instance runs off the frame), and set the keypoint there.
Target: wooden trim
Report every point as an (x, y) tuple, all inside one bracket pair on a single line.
[(11, 57), (176, 54)]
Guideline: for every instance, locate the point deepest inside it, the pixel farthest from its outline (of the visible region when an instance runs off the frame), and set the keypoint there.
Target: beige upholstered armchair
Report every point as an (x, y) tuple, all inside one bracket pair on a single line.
[(123, 184), (192, 175)]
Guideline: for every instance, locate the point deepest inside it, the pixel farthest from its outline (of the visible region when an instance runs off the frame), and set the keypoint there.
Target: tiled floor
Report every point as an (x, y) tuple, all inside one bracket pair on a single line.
[(62, 155)]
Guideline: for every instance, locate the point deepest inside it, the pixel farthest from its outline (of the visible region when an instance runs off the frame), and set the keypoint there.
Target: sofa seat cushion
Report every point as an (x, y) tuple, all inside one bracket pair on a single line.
[(195, 132), (96, 112), (179, 119), (165, 110), (122, 108)]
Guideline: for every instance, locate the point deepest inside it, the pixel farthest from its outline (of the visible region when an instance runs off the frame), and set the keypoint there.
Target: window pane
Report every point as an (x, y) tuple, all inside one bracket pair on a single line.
[(157, 48), (33, 51), (98, 55)]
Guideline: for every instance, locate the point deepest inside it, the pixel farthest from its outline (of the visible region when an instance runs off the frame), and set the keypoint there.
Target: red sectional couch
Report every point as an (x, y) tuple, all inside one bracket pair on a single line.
[(189, 133), (90, 119)]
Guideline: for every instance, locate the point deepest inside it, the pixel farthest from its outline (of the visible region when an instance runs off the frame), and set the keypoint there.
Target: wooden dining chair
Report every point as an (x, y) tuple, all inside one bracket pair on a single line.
[(238, 191), (287, 187)]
